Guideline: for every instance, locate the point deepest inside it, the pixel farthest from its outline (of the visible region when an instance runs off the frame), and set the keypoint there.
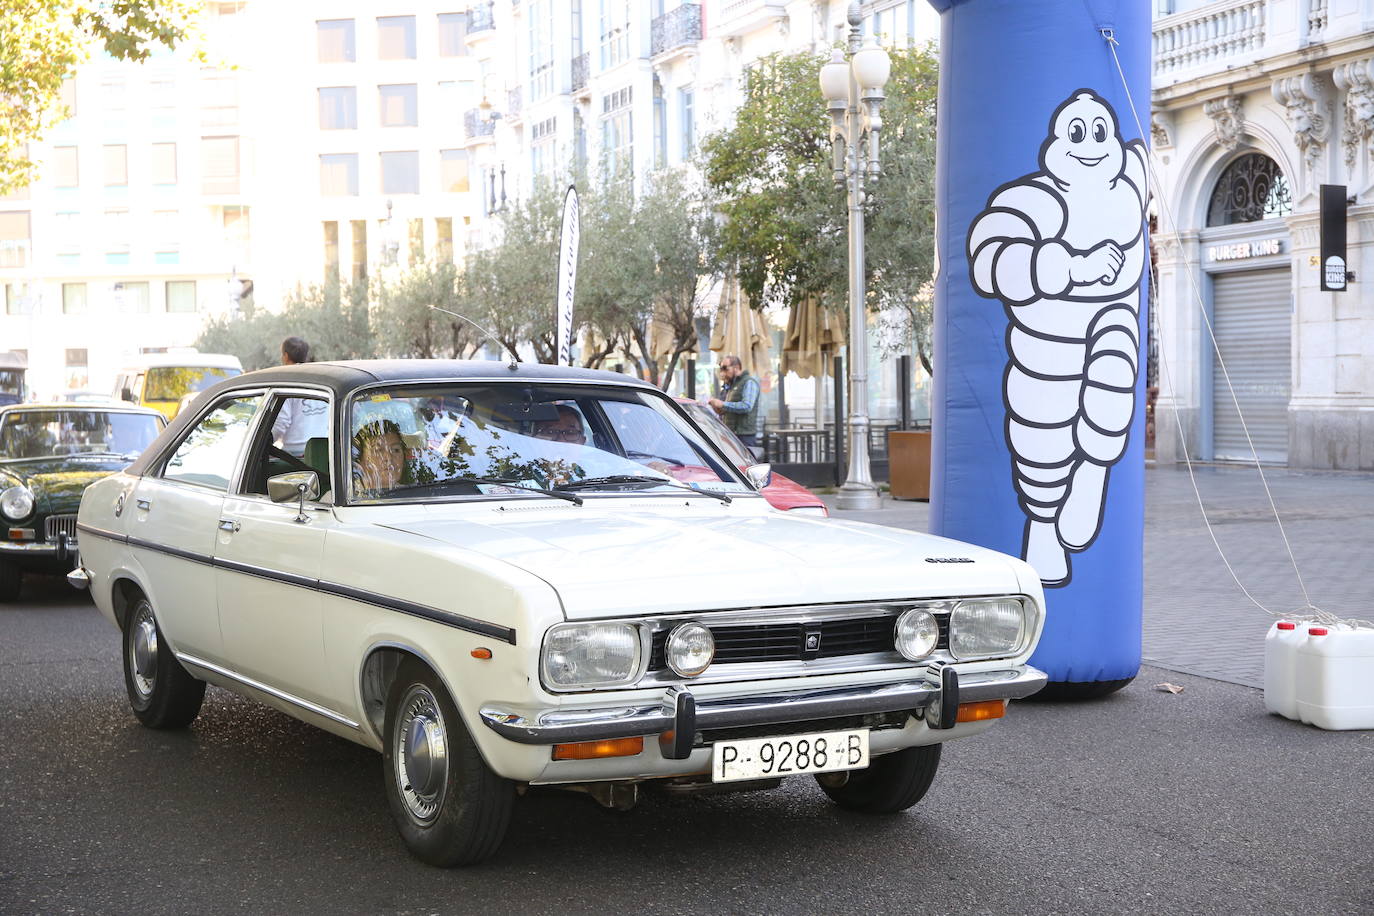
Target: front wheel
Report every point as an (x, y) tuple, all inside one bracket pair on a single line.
[(161, 692), (449, 807), (892, 782)]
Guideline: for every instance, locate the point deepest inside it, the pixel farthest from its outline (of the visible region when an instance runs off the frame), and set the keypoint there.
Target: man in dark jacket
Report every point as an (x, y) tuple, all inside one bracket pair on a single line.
[(738, 404)]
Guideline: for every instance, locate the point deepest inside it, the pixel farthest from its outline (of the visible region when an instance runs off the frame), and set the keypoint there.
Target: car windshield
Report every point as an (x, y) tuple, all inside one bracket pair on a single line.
[(720, 434), (169, 383), (514, 439), (44, 433), (12, 384)]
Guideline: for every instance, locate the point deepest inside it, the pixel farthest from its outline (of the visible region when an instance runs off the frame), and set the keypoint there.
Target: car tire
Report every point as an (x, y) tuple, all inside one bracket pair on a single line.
[(161, 692), (891, 783), (450, 808), (11, 577)]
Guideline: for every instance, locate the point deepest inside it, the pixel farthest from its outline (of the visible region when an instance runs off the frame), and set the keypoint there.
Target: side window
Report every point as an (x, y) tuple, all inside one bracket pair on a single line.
[(293, 437), (207, 455)]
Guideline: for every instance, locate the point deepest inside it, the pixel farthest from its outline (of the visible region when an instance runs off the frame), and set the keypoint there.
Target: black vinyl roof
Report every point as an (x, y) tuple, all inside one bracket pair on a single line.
[(345, 377)]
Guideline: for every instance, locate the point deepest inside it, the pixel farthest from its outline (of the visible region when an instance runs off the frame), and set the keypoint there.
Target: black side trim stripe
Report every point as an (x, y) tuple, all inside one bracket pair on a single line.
[(424, 611), (101, 533), (505, 634)]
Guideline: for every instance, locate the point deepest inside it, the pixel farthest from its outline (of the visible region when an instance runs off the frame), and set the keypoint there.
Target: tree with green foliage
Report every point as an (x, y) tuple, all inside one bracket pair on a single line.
[(42, 42), (786, 222), (333, 318), (405, 320), (612, 293)]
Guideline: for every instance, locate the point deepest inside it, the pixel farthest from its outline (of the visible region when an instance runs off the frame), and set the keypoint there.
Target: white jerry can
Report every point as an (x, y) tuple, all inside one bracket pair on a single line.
[(1334, 677), (1280, 668)]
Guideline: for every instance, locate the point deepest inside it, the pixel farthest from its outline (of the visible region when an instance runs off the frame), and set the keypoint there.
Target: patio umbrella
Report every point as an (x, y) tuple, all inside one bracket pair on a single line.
[(814, 336), (739, 330)]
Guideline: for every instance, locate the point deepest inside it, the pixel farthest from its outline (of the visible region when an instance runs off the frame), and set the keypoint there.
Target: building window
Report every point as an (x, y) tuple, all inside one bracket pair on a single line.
[(416, 238), (660, 127), (14, 238), (235, 224), (131, 297), (399, 107), (443, 242), (181, 296), (336, 41), (396, 37), (1251, 188), (455, 97), (78, 375), (116, 166), (164, 163), (68, 95), (113, 93), (359, 227), (18, 302), (219, 103), (542, 138), (331, 250), (117, 233), (686, 105), (452, 28), (617, 132), (401, 172), (540, 16), (338, 108), (166, 230), (65, 167), (73, 298), (220, 165), (453, 170), (339, 175), (615, 32)]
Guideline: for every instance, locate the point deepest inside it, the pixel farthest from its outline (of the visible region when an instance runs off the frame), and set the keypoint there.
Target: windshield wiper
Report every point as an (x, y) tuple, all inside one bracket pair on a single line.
[(640, 478), (506, 481)]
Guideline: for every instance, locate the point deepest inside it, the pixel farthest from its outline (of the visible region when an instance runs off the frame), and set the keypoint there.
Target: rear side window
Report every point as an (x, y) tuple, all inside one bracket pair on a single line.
[(208, 454)]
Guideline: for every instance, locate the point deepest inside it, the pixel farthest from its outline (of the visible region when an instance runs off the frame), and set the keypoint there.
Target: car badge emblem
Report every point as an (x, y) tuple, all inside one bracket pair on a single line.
[(813, 642)]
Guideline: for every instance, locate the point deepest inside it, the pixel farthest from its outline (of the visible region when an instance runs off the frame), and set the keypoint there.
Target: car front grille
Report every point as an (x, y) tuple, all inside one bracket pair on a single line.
[(792, 641), (60, 524)]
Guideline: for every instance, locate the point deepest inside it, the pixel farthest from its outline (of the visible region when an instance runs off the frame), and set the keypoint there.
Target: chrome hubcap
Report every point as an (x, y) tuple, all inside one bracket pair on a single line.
[(421, 754), (143, 652)]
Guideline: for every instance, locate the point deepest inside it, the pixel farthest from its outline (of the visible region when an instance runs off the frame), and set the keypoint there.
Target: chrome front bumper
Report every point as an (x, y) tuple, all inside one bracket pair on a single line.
[(679, 715)]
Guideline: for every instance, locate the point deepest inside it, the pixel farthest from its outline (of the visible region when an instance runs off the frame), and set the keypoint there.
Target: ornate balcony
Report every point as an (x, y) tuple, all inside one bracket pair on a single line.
[(581, 70), (680, 28), (481, 21), (476, 129), (1209, 35), (738, 17)]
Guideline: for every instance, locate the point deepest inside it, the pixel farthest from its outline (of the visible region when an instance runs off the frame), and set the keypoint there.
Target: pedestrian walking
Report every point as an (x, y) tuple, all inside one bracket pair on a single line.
[(738, 404), (300, 419)]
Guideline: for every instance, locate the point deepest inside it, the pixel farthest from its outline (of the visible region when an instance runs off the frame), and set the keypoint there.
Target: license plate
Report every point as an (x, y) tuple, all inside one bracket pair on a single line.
[(789, 755)]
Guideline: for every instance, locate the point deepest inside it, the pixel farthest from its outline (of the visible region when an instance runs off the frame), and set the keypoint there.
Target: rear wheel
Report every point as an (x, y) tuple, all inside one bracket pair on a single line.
[(161, 692), (449, 807), (892, 782)]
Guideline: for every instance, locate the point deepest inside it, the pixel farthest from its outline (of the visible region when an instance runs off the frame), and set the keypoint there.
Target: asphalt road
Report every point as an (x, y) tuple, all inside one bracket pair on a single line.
[(1146, 802)]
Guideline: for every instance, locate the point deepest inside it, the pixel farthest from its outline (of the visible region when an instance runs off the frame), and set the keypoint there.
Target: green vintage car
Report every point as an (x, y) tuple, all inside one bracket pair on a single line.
[(49, 454)]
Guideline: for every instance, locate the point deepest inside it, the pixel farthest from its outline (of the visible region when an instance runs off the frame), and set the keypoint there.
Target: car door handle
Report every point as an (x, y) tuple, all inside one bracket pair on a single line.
[(228, 524), (144, 504)]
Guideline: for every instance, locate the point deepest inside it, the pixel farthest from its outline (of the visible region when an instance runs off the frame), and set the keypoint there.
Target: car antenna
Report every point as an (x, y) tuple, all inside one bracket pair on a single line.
[(514, 360)]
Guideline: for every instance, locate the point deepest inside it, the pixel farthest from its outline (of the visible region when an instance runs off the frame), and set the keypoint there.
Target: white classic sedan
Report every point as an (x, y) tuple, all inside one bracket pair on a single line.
[(493, 576)]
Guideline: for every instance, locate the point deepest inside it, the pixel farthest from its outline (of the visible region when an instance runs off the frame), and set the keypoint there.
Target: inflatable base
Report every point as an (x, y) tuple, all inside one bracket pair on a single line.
[(1072, 691)]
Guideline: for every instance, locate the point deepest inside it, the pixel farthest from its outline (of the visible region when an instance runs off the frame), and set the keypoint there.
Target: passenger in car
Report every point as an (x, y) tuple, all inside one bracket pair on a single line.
[(567, 428), (379, 459)]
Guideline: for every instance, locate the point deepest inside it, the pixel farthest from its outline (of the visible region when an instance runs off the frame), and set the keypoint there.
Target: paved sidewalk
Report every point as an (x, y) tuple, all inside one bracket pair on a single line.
[(1196, 619)]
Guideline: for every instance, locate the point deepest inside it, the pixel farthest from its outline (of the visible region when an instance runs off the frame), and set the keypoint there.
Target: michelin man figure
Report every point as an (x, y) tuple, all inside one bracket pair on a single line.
[(1064, 250)]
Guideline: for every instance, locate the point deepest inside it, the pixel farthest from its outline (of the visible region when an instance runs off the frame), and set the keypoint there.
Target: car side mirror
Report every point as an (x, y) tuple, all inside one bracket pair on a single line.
[(297, 485), (760, 475)]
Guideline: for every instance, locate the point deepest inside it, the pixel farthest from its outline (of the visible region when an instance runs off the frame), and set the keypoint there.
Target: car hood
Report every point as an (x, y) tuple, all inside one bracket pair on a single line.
[(57, 483), (605, 564)]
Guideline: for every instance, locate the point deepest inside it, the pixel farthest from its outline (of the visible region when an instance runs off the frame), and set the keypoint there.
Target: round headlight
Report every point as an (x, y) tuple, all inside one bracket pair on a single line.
[(917, 633), (16, 503), (690, 649)]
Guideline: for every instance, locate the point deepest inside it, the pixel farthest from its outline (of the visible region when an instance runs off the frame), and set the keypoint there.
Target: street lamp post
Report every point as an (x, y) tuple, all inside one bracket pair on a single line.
[(853, 89)]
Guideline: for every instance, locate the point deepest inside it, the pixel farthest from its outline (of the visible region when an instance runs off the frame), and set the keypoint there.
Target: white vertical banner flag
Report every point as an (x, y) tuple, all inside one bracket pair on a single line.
[(567, 274)]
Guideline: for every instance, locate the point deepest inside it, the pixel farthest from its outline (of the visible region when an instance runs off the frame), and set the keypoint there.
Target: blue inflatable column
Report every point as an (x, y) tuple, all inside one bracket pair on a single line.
[(1040, 312)]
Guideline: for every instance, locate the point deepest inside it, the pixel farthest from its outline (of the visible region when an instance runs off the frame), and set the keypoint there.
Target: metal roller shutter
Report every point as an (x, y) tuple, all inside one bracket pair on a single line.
[(1252, 314)]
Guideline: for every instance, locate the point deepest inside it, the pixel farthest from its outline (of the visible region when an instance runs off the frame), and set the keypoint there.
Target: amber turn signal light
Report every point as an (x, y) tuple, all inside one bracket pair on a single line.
[(482, 653), (591, 750), (987, 709)]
